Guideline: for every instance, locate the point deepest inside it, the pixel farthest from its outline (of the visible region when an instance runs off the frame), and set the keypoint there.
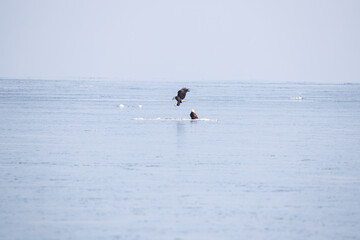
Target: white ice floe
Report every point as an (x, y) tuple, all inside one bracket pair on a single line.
[(175, 119), (131, 106), (297, 98)]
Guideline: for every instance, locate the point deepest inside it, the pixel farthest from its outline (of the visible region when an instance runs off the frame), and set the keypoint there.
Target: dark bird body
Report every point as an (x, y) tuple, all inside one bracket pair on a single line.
[(181, 95), (193, 115)]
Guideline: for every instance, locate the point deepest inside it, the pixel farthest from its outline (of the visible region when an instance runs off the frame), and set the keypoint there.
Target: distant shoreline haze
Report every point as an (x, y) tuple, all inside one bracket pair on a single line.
[(110, 79)]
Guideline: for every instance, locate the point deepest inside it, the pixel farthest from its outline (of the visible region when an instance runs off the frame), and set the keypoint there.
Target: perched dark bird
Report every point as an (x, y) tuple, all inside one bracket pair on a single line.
[(181, 95), (193, 114)]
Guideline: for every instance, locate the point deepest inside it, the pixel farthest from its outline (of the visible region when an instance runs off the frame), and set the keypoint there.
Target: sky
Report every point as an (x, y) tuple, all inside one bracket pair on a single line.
[(177, 40)]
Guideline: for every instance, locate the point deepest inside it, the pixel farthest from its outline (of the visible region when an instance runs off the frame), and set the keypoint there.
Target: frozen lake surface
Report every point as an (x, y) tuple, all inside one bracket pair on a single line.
[(82, 160)]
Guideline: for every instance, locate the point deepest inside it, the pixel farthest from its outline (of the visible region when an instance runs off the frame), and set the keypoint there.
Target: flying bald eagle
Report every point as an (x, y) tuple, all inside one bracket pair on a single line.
[(181, 95), (193, 114)]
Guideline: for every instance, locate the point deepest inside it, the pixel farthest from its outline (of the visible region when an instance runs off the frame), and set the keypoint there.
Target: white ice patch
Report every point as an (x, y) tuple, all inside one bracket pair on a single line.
[(297, 98), (175, 119)]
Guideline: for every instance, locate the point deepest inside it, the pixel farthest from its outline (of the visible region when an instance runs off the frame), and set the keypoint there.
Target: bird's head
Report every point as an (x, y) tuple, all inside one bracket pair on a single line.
[(192, 110)]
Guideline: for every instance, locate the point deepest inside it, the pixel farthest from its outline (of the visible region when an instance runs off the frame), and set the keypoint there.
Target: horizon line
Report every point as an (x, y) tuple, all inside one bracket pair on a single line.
[(253, 80)]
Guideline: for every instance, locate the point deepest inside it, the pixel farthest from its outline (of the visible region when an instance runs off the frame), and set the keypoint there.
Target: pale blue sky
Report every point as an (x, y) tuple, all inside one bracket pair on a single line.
[(253, 40)]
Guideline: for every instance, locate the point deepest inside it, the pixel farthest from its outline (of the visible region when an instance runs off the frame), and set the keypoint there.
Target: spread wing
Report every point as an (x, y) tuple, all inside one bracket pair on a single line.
[(182, 92)]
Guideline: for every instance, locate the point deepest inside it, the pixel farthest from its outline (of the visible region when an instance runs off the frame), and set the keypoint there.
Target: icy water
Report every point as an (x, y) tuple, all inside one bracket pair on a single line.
[(82, 160)]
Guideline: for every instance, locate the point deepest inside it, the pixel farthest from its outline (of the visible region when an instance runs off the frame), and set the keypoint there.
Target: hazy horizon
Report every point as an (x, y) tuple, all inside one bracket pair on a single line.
[(261, 41)]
